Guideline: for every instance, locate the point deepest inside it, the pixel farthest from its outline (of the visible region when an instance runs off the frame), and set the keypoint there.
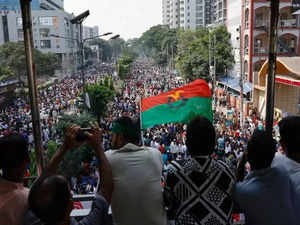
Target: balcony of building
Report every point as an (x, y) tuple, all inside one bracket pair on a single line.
[(287, 44), (287, 19), (261, 44), (262, 18)]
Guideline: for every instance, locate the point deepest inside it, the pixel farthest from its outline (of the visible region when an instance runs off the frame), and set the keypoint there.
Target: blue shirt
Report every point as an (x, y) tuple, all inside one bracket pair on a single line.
[(267, 197)]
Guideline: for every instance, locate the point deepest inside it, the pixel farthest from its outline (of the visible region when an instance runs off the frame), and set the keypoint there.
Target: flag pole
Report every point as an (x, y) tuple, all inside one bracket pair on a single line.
[(142, 132)]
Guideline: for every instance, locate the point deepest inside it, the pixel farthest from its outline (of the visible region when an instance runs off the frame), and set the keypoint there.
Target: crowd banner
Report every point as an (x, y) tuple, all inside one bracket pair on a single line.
[(178, 105)]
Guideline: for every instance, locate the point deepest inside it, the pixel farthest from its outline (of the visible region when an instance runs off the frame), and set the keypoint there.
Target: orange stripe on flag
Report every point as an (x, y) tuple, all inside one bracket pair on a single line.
[(198, 88)]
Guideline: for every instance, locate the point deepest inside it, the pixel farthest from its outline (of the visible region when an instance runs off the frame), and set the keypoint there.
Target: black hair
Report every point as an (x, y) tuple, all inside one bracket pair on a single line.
[(49, 198), (132, 129), (13, 151), (261, 150), (289, 129), (200, 136)]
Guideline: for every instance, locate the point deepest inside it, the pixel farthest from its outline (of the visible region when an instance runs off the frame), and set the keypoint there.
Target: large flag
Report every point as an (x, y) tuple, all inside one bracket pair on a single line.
[(178, 105)]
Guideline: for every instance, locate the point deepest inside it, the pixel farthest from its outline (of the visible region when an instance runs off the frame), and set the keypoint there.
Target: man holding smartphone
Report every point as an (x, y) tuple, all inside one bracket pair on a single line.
[(50, 197)]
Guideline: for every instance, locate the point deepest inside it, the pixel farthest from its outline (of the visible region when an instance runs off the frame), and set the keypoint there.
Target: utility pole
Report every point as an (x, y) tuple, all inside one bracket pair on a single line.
[(31, 76), (273, 36), (241, 81), (79, 20)]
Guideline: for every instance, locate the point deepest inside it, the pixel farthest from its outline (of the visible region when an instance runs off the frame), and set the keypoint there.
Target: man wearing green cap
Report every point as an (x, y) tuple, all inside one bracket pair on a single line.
[(137, 195)]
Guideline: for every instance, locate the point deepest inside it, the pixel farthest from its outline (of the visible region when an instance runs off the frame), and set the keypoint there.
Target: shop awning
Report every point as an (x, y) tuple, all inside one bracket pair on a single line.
[(234, 83), (285, 66), (287, 71)]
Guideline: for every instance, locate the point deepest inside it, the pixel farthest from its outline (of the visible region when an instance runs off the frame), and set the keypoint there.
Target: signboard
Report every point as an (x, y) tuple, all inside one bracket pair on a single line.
[(14, 5)]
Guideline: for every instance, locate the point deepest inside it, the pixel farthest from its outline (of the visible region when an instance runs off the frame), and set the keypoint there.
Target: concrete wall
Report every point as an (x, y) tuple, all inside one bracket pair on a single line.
[(234, 17)]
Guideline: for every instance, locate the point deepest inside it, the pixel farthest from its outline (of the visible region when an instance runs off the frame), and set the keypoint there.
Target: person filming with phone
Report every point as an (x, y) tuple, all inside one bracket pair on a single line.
[(50, 198)]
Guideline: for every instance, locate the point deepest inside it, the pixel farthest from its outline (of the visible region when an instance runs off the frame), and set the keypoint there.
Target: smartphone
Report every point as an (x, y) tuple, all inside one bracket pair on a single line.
[(80, 137)]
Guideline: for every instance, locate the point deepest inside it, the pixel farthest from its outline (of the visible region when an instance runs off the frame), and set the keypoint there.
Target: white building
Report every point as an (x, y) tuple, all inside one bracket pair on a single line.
[(90, 32), (171, 13), (233, 22), (187, 14), (48, 20)]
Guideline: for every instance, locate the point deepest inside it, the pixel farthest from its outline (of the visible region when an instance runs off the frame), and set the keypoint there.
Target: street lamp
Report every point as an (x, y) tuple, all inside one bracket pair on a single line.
[(79, 20), (81, 44)]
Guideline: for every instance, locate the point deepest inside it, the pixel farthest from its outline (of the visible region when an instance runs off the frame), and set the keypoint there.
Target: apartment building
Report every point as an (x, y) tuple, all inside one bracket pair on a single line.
[(90, 32), (48, 19), (187, 14), (219, 11), (255, 33), (171, 13)]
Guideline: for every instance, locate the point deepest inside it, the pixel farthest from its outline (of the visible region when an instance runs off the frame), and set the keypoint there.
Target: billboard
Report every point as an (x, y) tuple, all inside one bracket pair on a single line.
[(8, 5)]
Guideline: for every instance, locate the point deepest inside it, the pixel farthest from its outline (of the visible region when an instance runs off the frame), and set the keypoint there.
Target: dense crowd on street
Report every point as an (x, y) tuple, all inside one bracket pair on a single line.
[(184, 174)]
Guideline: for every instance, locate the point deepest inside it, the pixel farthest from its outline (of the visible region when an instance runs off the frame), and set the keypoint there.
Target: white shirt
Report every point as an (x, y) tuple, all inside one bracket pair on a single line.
[(137, 196), (291, 167)]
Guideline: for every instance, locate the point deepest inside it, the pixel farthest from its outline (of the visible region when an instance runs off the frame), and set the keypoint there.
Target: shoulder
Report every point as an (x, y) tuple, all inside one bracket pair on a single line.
[(100, 202)]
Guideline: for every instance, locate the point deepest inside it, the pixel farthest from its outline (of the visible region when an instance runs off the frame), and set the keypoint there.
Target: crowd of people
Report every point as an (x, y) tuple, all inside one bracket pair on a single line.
[(185, 174)]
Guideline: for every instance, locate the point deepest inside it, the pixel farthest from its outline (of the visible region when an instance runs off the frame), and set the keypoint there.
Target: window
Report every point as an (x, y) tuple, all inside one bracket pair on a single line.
[(44, 32), (19, 21), (45, 44), (199, 14), (46, 20), (20, 34)]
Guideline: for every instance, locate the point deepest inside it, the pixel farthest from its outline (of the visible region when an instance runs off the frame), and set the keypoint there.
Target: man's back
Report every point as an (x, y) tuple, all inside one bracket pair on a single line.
[(291, 167), (137, 195), (267, 197), (203, 187), (13, 202)]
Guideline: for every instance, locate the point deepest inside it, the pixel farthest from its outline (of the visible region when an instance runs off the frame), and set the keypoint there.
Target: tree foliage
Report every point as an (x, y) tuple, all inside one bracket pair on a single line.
[(123, 66), (160, 43), (195, 47), (100, 96), (71, 164), (13, 60)]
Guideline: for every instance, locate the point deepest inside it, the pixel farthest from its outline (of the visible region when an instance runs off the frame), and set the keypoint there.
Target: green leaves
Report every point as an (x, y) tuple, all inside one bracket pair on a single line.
[(123, 66), (195, 47), (160, 43), (100, 96), (13, 61)]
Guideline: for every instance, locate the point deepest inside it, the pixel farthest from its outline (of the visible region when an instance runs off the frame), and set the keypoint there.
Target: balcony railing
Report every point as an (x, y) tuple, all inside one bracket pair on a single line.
[(288, 23), (291, 50), (261, 24), (260, 50)]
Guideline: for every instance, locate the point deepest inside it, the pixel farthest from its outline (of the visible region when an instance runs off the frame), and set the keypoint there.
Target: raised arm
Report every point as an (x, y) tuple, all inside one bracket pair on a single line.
[(95, 141), (69, 143)]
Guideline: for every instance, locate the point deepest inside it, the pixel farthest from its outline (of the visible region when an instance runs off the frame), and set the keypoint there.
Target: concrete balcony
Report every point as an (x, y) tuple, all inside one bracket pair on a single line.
[(288, 23)]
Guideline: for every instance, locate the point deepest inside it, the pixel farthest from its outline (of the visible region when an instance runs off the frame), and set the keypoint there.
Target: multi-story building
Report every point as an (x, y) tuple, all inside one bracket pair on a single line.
[(233, 23), (46, 24), (171, 13), (187, 14), (219, 11), (255, 48), (255, 33), (90, 32)]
